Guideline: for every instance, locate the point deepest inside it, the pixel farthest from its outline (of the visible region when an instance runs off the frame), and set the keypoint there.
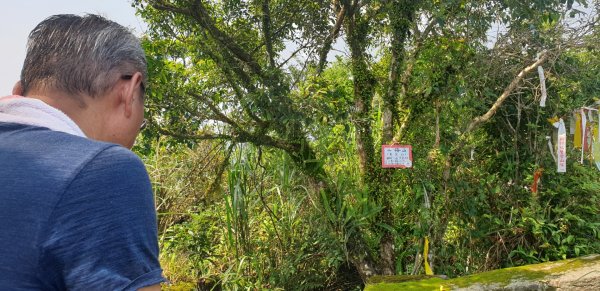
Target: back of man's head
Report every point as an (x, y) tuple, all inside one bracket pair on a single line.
[(80, 55)]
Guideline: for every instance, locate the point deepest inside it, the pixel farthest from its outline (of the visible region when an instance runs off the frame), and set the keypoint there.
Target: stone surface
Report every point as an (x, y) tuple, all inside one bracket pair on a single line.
[(574, 274)]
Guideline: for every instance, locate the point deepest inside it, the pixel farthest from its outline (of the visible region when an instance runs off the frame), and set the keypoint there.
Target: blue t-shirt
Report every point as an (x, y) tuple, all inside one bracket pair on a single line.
[(75, 214)]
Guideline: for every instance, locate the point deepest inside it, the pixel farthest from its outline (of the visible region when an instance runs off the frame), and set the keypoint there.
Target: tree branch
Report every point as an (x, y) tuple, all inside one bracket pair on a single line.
[(266, 21), (282, 28), (220, 60), (219, 173), (477, 121), (203, 17), (161, 5), (292, 55), (220, 116), (229, 71), (208, 136), (410, 63), (199, 12), (333, 34)]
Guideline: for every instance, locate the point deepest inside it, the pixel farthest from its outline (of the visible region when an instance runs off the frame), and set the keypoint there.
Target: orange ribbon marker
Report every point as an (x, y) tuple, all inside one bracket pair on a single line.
[(536, 178)]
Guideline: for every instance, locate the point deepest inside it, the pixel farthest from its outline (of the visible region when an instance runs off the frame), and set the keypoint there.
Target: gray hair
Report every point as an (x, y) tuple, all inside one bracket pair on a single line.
[(80, 54)]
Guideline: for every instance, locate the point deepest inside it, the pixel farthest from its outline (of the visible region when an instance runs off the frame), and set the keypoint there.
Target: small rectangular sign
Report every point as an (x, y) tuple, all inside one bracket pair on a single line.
[(396, 156)]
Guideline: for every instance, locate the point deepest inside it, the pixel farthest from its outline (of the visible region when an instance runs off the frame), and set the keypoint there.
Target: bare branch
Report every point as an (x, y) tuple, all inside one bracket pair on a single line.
[(507, 91), (220, 116), (206, 136), (292, 55)]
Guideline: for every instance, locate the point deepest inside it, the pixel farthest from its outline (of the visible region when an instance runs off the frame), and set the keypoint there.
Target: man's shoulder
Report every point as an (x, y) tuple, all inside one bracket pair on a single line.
[(115, 161), (43, 142), (15, 132), (48, 155)]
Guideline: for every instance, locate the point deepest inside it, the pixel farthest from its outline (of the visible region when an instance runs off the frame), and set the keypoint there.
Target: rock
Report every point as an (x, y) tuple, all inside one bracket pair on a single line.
[(574, 274)]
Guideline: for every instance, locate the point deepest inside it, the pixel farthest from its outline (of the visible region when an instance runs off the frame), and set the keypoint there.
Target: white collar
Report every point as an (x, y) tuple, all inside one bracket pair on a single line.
[(35, 112)]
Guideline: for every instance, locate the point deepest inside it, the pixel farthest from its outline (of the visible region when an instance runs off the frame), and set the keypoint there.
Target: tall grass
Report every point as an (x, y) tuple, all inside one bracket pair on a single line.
[(262, 230)]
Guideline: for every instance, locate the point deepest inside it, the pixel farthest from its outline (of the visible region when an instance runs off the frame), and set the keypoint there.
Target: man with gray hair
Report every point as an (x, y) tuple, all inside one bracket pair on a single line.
[(76, 205)]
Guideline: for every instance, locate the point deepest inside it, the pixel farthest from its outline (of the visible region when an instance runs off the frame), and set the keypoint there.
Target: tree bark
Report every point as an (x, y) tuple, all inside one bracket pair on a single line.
[(401, 15)]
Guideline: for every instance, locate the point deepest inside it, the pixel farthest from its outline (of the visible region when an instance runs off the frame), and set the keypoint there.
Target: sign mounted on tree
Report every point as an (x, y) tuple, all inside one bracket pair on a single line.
[(396, 156)]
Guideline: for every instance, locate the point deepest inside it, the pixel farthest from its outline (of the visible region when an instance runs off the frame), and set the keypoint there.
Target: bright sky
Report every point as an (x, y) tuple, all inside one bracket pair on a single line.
[(20, 17)]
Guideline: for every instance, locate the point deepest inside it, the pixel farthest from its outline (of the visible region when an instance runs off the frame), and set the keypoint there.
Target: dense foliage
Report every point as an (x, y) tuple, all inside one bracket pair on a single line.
[(265, 148)]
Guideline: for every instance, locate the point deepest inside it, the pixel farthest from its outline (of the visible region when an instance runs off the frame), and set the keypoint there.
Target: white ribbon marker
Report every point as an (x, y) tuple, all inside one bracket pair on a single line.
[(551, 147), (596, 146), (583, 133), (561, 152), (542, 86)]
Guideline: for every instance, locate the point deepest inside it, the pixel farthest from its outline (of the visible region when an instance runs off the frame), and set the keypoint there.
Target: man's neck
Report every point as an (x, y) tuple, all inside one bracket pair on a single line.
[(82, 110)]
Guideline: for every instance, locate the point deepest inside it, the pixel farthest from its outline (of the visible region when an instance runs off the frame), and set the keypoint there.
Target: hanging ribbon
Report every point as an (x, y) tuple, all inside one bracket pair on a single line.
[(577, 135), (589, 132), (536, 178), (561, 151), (551, 148), (542, 86), (596, 145), (428, 270), (583, 132)]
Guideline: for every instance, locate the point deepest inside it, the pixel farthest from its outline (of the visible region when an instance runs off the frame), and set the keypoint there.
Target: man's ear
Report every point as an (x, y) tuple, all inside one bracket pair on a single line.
[(18, 89), (129, 92)]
